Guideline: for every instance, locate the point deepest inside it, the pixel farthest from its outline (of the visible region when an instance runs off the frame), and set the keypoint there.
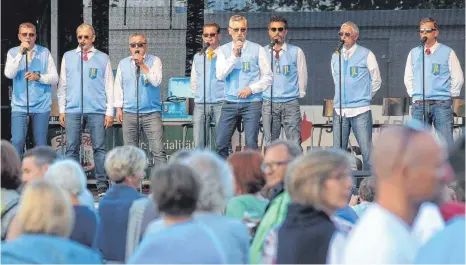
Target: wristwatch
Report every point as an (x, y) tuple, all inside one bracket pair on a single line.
[(38, 74)]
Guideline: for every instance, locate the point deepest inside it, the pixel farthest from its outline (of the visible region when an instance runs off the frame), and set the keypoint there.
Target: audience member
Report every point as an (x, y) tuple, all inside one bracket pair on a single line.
[(176, 189), (366, 195), (45, 218)]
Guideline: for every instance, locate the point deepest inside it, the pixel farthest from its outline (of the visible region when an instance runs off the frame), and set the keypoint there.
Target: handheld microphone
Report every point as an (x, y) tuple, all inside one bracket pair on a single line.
[(207, 44), (340, 46), (239, 50), (138, 68), (81, 44)]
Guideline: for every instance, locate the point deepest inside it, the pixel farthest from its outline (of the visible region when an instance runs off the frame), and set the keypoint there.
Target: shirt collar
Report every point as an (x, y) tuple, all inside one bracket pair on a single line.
[(244, 44), (433, 48), (92, 49), (215, 50), (284, 47), (352, 49), (34, 49)]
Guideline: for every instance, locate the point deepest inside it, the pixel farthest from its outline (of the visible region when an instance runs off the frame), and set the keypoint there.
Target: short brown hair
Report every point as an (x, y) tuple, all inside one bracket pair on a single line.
[(26, 25), (84, 26), (247, 171), (427, 20), (213, 24)]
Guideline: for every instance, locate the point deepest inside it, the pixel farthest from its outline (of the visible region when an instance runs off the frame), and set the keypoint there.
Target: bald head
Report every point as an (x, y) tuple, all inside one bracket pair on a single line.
[(400, 146)]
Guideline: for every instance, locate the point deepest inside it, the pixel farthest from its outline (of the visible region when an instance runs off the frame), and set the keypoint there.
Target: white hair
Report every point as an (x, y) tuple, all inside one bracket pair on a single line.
[(68, 175), (216, 179), (351, 25)]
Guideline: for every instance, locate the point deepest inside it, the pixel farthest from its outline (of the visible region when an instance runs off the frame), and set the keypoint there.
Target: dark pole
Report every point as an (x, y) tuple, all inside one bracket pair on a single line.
[(341, 99), (27, 99), (205, 111)]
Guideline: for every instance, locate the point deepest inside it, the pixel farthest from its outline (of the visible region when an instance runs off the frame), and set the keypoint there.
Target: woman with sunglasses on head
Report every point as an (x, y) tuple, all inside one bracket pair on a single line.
[(442, 80), (36, 100), (361, 79), (137, 91), (91, 99)]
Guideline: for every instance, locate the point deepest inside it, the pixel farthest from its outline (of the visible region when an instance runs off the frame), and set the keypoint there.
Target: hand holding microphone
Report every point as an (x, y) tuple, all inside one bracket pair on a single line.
[(423, 41), (238, 45), (137, 57), (340, 46)]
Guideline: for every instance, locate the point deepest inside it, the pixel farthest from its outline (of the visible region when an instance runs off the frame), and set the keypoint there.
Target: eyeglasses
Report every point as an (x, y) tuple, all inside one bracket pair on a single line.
[(209, 35), (238, 29), (139, 45), (275, 29), (427, 30), (272, 166), (347, 34), (83, 36), (31, 35)]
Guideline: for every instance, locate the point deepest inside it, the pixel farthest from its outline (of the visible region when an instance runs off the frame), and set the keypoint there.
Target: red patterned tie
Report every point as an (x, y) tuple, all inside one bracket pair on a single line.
[(85, 56), (277, 54), (428, 51)]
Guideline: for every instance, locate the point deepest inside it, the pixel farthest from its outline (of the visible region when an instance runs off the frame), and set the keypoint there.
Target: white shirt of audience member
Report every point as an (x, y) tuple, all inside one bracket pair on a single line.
[(428, 221)]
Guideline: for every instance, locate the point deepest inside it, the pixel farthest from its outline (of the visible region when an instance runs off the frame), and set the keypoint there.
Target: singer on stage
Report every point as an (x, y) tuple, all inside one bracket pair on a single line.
[(214, 88), (443, 79), (141, 98), (91, 100), (41, 74), (245, 67), (360, 81), (289, 83)]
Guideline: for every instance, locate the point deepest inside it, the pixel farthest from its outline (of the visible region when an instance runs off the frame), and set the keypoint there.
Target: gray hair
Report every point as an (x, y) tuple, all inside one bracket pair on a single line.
[(352, 25), (306, 175), (180, 155), (294, 150), (138, 34), (237, 18), (367, 189), (216, 179), (43, 155), (175, 189), (68, 175), (124, 161)]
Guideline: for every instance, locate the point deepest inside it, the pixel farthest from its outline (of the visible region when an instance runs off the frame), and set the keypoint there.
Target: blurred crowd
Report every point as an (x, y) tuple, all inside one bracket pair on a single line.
[(283, 207)]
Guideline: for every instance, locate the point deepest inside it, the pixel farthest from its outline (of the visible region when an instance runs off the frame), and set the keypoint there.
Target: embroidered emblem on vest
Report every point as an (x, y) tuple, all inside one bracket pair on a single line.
[(435, 69), (286, 69), (92, 73), (246, 67), (354, 71)]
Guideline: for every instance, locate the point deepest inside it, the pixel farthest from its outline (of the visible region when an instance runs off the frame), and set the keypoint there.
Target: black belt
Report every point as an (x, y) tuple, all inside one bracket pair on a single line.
[(431, 102)]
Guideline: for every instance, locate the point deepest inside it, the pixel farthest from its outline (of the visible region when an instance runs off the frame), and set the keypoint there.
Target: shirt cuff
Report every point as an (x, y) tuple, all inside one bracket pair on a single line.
[(109, 112), (302, 94)]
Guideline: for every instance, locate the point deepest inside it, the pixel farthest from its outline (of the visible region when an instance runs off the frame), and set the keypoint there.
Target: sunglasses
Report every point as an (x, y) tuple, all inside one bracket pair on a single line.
[(347, 34), (275, 29), (28, 34), (238, 29), (427, 30), (209, 35), (83, 36), (139, 45)]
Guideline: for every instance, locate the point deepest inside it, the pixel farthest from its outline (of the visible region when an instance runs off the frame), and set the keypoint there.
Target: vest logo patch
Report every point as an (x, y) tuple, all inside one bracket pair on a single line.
[(286, 69), (145, 81), (92, 73), (435, 69), (354, 71), (246, 68)]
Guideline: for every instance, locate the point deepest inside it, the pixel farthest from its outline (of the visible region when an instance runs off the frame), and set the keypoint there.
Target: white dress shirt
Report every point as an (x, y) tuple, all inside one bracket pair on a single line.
[(108, 79), (454, 66), (12, 66), (154, 76), (226, 65), (374, 72), (302, 68), (193, 71)]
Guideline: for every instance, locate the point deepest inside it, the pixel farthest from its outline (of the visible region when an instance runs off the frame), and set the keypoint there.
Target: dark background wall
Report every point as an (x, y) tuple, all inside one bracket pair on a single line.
[(390, 34)]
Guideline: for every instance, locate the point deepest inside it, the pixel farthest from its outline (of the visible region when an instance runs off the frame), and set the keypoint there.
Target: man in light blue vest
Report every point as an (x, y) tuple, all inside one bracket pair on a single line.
[(360, 81), (147, 70), (97, 99), (245, 67), (214, 88), (41, 74), (443, 80), (289, 84)]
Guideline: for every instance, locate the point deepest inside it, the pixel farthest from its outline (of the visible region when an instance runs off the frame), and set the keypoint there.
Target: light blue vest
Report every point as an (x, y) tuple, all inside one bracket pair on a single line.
[(245, 72), (40, 95), (357, 82), (95, 98), (149, 95), (437, 74), (285, 83), (215, 89)]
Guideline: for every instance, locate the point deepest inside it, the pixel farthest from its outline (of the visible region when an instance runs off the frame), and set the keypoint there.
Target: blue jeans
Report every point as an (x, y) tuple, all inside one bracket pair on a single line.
[(213, 112), (250, 112), (151, 125), (19, 129), (95, 123), (286, 115), (362, 129), (440, 115)]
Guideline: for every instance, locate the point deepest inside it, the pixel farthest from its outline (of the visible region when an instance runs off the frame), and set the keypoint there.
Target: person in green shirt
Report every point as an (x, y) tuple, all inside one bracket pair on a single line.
[(249, 204)]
